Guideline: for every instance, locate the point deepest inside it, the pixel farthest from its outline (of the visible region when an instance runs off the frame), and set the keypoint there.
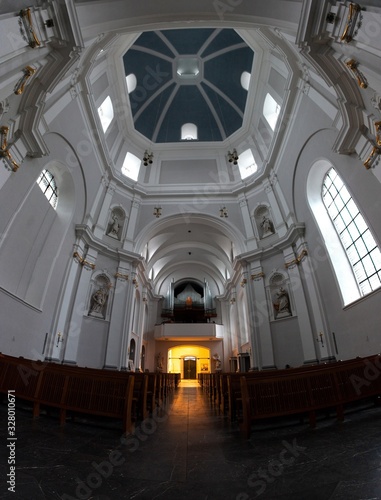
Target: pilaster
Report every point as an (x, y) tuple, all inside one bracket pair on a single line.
[(292, 263)]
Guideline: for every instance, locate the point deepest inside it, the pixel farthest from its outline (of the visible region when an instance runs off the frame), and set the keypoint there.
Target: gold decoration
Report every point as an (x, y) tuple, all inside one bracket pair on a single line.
[(5, 154), (257, 276), (348, 33), (376, 150), (296, 261), (121, 276), (28, 25), (361, 80), (20, 85), (85, 263)]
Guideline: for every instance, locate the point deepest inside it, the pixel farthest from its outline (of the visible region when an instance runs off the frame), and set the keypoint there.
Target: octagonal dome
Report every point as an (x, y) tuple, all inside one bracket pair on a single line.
[(192, 77)]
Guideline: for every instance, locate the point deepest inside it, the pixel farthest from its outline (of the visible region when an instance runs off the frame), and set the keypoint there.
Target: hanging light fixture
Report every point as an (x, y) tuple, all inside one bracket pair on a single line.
[(224, 212), (147, 158), (233, 157), (157, 212)]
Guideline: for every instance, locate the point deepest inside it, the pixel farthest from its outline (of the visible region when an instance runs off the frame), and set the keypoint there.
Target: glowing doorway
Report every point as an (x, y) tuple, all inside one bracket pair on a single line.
[(189, 360)]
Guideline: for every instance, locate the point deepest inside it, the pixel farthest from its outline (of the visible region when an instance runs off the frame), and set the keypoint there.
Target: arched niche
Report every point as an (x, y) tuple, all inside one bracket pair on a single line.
[(264, 221), (99, 296), (279, 296), (116, 223)]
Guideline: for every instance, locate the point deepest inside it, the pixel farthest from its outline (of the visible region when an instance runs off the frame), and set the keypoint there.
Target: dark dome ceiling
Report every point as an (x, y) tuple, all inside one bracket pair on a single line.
[(188, 76)]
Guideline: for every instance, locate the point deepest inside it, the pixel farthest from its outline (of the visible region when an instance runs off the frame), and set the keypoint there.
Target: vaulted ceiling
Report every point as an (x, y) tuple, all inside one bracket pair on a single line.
[(188, 76)]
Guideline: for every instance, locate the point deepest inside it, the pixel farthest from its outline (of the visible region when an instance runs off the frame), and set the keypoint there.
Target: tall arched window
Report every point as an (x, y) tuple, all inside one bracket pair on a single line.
[(48, 186), (360, 246)]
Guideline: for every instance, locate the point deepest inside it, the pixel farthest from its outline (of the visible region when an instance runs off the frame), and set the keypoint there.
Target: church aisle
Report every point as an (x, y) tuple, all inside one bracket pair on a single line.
[(189, 451)]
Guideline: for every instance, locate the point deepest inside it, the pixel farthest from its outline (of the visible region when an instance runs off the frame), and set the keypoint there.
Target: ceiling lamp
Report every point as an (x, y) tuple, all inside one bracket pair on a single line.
[(157, 212), (233, 157), (224, 212), (147, 158)]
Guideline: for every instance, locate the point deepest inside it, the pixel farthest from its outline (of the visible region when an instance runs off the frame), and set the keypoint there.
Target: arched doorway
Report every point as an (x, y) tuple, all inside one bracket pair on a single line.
[(131, 354), (189, 360)]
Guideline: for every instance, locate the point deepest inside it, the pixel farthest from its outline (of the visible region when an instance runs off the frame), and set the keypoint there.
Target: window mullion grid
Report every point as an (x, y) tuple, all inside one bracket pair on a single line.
[(359, 255)]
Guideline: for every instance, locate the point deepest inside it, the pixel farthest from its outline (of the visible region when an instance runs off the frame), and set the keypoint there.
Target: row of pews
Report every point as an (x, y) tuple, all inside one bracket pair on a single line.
[(127, 396), (259, 395)]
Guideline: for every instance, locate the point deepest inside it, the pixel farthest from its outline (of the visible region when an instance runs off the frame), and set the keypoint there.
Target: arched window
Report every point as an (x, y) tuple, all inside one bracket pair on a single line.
[(358, 242), (131, 82), (245, 80), (131, 166), (188, 132), (271, 110), (106, 113), (48, 186), (246, 164)]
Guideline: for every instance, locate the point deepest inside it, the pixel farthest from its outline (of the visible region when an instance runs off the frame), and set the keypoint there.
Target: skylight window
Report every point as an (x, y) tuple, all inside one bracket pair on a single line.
[(271, 110), (246, 164), (188, 67), (106, 113), (131, 166), (131, 82), (245, 80), (189, 132)]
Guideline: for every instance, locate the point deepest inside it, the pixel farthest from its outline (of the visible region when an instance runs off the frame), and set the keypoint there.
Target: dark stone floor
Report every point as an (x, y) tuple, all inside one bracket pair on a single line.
[(189, 451)]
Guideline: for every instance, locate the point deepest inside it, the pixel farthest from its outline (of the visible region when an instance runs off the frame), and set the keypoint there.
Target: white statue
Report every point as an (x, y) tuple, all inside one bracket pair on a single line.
[(98, 301), (114, 230), (267, 226), (282, 303)]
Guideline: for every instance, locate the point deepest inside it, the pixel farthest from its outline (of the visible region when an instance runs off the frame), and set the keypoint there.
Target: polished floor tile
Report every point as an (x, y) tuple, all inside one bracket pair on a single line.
[(191, 451)]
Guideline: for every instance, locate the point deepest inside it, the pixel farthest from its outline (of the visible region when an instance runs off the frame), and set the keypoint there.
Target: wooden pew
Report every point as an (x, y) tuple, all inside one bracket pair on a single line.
[(140, 396), (308, 389), (74, 389)]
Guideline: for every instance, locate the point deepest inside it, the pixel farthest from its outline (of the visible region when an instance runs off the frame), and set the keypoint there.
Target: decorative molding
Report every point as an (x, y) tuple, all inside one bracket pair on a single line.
[(122, 277), (297, 260), (31, 36), (6, 156), (85, 263), (353, 23), (374, 156), (20, 85), (352, 64), (257, 276)]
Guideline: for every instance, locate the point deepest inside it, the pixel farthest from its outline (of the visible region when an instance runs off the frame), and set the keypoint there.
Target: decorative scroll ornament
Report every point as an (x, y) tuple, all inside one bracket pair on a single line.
[(27, 24), (20, 85), (361, 80), (374, 156), (353, 23), (83, 262), (257, 276), (297, 260), (6, 156), (122, 277)]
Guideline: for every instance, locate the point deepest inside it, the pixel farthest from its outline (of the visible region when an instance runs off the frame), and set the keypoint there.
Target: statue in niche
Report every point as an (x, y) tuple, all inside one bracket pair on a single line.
[(114, 229), (282, 303), (217, 362), (267, 226), (98, 300)]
